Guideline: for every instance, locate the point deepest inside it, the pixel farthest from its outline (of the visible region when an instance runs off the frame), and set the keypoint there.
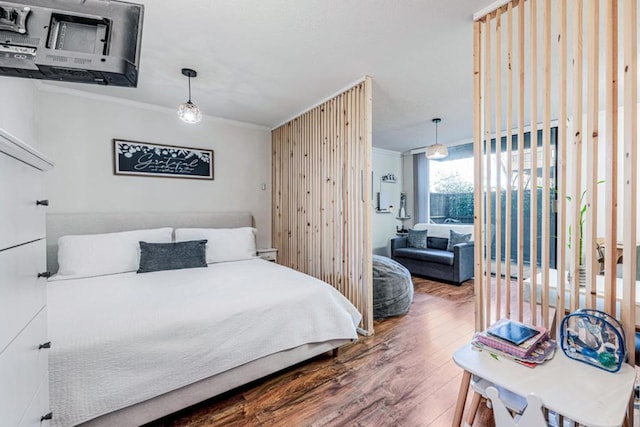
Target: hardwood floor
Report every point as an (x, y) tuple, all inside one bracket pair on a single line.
[(401, 376)]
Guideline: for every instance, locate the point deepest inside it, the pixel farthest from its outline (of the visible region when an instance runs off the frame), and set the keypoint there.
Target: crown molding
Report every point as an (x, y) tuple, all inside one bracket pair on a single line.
[(49, 88)]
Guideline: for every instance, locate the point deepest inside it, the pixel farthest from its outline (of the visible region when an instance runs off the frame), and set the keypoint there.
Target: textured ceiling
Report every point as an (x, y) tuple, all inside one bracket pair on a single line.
[(265, 61)]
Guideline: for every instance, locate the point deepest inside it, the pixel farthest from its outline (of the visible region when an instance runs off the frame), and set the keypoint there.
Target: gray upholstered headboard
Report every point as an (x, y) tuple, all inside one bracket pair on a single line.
[(62, 224)]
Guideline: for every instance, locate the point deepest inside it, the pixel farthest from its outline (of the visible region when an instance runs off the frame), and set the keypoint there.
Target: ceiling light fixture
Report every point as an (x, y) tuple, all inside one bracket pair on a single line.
[(189, 112), (436, 151)]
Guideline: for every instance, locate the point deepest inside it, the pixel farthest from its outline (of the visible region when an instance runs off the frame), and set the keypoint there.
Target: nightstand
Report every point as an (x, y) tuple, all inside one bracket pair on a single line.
[(270, 254)]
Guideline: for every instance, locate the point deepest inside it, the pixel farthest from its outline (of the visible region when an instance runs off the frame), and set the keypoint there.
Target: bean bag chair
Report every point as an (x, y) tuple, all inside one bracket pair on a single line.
[(392, 288)]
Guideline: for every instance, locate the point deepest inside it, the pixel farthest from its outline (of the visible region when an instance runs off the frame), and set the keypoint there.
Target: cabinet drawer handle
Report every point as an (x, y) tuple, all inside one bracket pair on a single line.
[(46, 417), (42, 202), (45, 345), (46, 274)]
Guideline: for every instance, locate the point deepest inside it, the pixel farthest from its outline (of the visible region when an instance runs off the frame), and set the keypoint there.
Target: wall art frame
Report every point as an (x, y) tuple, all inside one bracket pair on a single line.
[(161, 160)]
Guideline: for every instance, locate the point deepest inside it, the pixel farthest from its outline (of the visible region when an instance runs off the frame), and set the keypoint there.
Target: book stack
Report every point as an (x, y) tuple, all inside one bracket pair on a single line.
[(526, 344)]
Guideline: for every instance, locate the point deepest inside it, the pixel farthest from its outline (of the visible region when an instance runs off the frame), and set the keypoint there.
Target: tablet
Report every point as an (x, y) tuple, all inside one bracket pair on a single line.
[(514, 332)]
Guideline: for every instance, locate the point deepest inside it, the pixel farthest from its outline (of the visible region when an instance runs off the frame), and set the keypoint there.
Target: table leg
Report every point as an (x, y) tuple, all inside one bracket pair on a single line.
[(473, 410), (628, 419), (462, 398)]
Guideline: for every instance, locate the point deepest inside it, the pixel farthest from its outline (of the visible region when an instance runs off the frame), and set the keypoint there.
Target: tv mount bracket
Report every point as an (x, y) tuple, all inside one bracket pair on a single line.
[(15, 20)]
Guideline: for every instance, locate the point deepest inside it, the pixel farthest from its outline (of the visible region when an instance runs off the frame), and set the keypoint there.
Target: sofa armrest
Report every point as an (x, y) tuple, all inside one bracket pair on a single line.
[(463, 261), (398, 242), (463, 248)]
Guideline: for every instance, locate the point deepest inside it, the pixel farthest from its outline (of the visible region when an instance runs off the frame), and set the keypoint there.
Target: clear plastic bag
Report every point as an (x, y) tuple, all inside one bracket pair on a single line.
[(595, 338)]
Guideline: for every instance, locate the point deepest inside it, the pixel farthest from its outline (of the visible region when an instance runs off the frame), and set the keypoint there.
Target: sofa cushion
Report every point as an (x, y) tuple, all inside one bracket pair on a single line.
[(456, 238), (431, 255), (437, 243), (417, 239)]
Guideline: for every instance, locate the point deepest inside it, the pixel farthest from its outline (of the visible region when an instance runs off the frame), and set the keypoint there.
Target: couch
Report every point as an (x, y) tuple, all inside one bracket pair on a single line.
[(435, 261)]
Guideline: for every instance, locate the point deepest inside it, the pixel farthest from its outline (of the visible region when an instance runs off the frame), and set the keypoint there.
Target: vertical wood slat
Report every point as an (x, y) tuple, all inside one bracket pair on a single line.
[(521, 125), (561, 174), (338, 162), (315, 185), (275, 198), (478, 221), (336, 180), (487, 153), (533, 183), (630, 126), (344, 183), (611, 144), (576, 179), (546, 163), (498, 117), (287, 211), (589, 247), (365, 173), (508, 211), (321, 223), (354, 235), (332, 274)]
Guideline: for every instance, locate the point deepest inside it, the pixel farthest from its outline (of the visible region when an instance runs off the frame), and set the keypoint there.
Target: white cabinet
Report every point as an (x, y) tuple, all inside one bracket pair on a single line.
[(24, 346), (22, 218), (20, 288)]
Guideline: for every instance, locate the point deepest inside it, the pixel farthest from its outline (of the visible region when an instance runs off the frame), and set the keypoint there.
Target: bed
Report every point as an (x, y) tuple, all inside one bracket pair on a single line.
[(130, 348)]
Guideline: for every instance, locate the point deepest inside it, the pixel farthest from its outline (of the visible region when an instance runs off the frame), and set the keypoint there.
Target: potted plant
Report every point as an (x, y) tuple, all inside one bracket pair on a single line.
[(583, 216)]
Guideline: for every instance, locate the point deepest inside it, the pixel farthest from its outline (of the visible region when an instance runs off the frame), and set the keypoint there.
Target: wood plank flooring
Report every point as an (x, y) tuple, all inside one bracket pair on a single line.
[(401, 376)]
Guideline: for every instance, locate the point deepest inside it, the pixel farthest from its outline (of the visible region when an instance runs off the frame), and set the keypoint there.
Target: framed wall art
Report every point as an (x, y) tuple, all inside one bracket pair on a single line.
[(171, 161)]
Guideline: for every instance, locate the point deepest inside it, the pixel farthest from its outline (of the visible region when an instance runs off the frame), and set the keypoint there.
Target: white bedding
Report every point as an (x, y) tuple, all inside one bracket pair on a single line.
[(121, 339)]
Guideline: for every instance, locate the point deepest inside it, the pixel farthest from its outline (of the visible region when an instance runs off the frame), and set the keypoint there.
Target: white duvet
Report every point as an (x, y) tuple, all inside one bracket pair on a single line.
[(121, 339)]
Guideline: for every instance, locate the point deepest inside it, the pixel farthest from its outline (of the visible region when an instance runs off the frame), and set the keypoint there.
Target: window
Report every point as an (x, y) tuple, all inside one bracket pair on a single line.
[(451, 187)]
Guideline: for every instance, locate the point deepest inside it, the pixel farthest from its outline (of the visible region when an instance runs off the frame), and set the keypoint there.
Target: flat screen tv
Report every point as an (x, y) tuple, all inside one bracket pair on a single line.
[(88, 41)]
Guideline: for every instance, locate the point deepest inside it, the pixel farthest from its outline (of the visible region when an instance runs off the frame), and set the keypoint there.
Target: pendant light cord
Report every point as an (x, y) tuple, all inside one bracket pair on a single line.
[(437, 121), (190, 96)]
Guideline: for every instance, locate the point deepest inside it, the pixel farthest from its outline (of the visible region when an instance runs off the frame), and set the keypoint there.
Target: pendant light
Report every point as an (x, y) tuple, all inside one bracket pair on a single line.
[(436, 151), (189, 112)]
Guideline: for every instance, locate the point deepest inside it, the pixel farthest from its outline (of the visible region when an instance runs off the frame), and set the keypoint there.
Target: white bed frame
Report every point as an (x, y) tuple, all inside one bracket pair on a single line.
[(60, 224)]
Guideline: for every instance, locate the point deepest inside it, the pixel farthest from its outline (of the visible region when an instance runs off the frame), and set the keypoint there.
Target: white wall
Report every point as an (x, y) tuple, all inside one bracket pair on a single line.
[(76, 132), (407, 186), (384, 224), (18, 104)]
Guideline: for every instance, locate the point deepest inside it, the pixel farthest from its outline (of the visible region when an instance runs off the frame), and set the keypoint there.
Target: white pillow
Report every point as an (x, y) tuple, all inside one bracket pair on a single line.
[(98, 254), (223, 244)]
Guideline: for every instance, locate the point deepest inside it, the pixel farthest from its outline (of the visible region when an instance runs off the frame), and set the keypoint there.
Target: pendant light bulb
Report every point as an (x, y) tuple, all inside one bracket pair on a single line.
[(436, 151), (188, 111)]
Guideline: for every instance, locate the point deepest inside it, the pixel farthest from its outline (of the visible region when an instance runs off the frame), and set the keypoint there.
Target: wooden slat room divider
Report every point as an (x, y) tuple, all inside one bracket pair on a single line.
[(321, 215), (595, 146)]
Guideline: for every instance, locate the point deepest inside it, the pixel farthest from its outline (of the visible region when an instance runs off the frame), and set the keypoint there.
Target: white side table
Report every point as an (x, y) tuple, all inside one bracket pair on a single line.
[(585, 394), (269, 254)]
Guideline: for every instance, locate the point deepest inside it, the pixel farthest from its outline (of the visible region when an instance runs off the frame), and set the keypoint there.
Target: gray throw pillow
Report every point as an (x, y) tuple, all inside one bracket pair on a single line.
[(437, 243), (455, 238), (172, 256), (417, 239)]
